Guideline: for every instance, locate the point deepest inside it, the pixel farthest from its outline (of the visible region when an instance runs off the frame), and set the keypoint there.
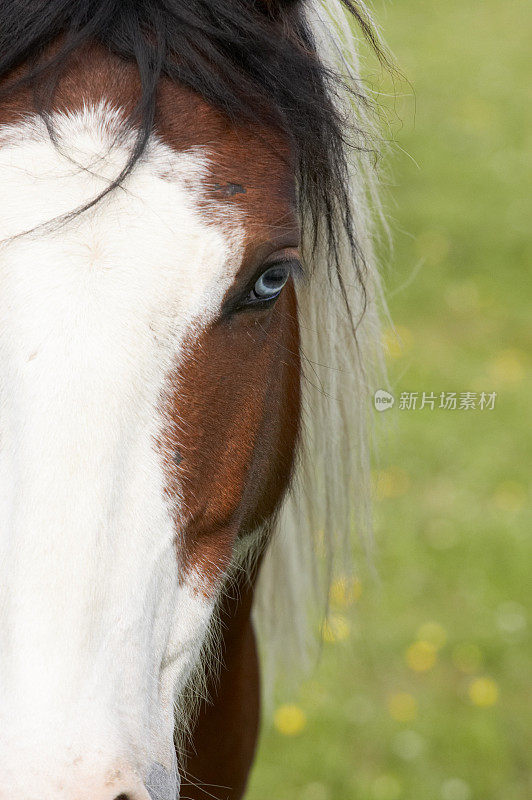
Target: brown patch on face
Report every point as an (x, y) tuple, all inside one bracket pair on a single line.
[(234, 419), (233, 404)]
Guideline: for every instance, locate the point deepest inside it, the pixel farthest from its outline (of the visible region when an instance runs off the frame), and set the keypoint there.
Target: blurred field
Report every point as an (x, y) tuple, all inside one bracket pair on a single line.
[(424, 689)]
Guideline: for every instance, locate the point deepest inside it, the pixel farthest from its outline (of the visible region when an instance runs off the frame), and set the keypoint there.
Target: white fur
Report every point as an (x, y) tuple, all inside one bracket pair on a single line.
[(97, 631)]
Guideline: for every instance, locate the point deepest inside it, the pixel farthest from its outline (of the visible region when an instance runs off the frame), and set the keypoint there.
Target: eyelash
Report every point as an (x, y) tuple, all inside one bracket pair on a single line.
[(242, 301)]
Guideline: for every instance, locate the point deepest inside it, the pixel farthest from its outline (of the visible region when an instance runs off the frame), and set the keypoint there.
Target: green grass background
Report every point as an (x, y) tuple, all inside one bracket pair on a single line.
[(452, 495)]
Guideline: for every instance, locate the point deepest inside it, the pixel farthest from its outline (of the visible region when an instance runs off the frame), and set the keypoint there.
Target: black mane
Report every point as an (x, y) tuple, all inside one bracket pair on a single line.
[(255, 60)]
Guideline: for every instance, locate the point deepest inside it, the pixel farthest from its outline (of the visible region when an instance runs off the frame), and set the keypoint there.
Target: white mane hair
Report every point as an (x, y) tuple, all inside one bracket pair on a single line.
[(330, 492)]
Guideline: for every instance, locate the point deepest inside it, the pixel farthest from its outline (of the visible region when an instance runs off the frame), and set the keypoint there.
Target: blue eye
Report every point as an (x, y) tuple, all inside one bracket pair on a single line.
[(270, 283)]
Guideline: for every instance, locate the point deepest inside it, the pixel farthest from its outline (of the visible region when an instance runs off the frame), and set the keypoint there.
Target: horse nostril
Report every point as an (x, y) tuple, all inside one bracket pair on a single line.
[(132, 792)]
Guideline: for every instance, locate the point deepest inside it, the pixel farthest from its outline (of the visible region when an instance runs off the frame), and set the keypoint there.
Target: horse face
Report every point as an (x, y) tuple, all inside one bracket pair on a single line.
[(149, 403)]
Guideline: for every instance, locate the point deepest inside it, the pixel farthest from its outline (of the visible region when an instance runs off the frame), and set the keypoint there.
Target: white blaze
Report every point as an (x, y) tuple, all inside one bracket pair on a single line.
[(92, 316)]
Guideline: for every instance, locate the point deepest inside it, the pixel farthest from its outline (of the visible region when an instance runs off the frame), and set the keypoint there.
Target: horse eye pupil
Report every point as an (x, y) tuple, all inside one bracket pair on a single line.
[(274, 277)]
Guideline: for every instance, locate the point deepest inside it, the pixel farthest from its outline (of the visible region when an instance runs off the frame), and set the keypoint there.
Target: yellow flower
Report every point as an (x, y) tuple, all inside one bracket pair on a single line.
[(509, 496), (507, 368), (289, 719), (434, 633), (467, 657), (396, 341), (345, 591), (483, 692), (392, 482), (336, 628), (402, 707), (421, 656)]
